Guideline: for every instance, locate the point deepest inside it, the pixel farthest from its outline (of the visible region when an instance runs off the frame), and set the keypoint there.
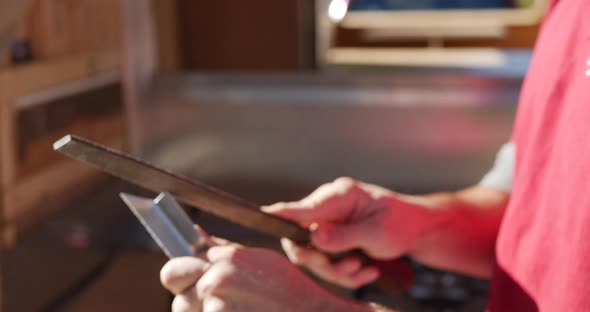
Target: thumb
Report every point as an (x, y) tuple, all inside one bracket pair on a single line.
[(333, 209), (331, 202), (294, 211), (336, 238)]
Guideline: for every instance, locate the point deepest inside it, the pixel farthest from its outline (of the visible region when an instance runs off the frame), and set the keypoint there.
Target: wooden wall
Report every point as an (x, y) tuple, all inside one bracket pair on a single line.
[(246, 35), (74, 71)]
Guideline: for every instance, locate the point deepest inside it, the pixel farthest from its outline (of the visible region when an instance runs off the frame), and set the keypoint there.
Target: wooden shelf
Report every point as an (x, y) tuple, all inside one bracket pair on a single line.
[(25, 79), (37, 195), (24, 86), (40, 155), (418, 57), (61, 91)]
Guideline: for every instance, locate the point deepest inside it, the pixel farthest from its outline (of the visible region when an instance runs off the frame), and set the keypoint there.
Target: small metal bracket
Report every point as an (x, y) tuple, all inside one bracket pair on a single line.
[(167, 223)]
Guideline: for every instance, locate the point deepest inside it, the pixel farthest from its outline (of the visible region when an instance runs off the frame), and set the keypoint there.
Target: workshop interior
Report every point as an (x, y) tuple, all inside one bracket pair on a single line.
[(263, 99)]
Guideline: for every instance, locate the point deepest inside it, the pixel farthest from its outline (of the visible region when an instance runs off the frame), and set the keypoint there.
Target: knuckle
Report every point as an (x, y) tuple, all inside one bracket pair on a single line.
[(324, 274), (218, 279), (343, 281), (300, 257), (217, 304), (280, 204), (345, 183), (224, 253), (352, 284), (322, 188), (176, 271)]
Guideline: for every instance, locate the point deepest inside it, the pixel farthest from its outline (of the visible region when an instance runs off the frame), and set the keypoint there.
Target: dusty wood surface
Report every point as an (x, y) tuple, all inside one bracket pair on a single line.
[(38, 76)]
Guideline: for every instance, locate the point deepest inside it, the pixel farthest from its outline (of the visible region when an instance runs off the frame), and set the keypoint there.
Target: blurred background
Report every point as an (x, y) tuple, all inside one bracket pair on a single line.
[(266, 99)]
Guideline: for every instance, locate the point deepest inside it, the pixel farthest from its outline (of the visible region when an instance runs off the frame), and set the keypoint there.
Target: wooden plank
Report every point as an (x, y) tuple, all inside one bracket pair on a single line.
[(166, 20), (12, 11), (7, 136), (25, 79), (418, 57), (43, 22), (67, 90), (131, 283), (238, 36), (39, 154), (112, 24), (58, 28), (36, 196), (140, 62)]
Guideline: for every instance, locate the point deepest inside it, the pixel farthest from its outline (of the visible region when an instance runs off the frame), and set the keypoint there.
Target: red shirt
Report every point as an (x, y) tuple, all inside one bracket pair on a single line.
[(543, 248)]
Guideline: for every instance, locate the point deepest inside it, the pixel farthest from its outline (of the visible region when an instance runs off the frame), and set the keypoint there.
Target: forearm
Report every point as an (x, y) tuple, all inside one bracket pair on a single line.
[(464, 240)]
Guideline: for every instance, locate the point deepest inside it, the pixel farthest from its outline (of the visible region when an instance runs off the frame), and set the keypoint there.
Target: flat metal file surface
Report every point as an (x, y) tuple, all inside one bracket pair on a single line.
[(188, 191), (166, 223)]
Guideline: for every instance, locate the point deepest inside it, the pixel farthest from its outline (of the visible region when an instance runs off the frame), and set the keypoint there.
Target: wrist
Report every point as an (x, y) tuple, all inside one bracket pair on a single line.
[(432, 212)]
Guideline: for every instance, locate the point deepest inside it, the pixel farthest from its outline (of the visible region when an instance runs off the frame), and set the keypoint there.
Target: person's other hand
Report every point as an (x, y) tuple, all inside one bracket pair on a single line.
[(233, 278), (346, 215)]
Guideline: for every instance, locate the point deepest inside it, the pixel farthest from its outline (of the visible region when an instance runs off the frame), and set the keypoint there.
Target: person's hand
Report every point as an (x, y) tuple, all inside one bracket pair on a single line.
[(232, 278), (346, 215)]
